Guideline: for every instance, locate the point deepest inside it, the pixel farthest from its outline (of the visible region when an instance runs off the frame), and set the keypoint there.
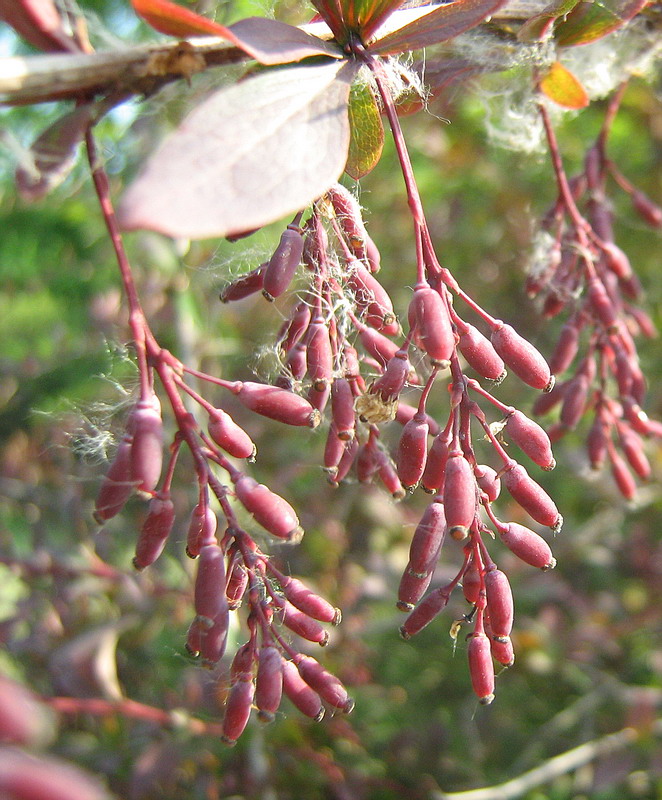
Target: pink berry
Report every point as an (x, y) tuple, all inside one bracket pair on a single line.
[(329, 688), (238, 710), (530, 438), (268, 683), (522, 357), (283, 263), (117, 485), (499, 602), (276, 403), (428, 538), (154, 532), (244, 286), (412, 451), (459, 496), (480, 354), (531, 496), (229, 436), (433, 325), (481, 667), (201, 529), (319, 354), (268, 509), (425, 612), (300, 693), (527, 545), (342, 408), (147, 447)]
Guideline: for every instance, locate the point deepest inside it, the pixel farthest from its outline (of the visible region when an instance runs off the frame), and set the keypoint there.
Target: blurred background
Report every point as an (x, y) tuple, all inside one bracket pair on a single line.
[(77, 621)]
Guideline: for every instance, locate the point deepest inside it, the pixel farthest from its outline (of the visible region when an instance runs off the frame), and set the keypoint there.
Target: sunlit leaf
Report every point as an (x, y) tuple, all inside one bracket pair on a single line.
[(53, 154), (537, 27), (167, 17), (589, 21), (272, 42), (367, 132), (365, 16), (248, 155), (561, 86), (444, 23)]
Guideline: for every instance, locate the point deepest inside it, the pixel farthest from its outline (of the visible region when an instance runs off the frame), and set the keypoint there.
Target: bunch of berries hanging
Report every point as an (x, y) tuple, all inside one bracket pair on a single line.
[(586, 273)]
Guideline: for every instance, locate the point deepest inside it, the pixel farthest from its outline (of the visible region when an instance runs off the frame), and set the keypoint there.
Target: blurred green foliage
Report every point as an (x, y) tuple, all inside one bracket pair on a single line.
[(587, 636)]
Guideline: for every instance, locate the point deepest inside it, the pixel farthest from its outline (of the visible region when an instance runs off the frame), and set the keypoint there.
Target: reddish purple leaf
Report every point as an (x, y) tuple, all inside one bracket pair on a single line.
[(444, 23), (39, 23), (247, 156), (272, 42), (53, 154)]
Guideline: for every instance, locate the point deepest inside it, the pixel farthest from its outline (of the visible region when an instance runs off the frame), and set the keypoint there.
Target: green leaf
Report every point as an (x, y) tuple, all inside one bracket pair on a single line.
[(589, 21), (537, 27), (366, 131)]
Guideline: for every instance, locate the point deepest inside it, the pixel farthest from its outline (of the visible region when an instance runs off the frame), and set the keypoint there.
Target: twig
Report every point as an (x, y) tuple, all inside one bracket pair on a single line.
[(550, 770), (176, 718)]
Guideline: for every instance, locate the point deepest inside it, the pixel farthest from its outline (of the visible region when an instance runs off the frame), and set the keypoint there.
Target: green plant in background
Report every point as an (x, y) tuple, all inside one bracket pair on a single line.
[(275, 143)]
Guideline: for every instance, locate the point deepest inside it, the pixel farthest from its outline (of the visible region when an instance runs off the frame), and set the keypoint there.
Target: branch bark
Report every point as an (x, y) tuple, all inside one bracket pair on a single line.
[(551, 769)]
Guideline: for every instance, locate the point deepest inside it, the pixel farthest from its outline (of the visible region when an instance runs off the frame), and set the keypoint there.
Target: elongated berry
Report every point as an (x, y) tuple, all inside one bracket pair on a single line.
[(481, 667), (480, 354), (472, 582), (329, 688), (412, 451), (433, 324), (276, 403), (502, 650), (201, 529), (342, 408), (300, 693), (319, 354), (268, 509), (296, 327), (522, 357), (154, 532), (601, 305), (412, 587), (268, 683), (566, 348), (380, 347), (318, 396), (428, 538), (393, 381), (229, 436), (214, 636), (432, 479), (283, 263), (237, 584), (147, 447), (622, 476), (633, 448), (244, 286), (425, 612), (459, 496), (368, 461), (209, 592), (347, 460), (297, 361), (303, 625), (597, 442), (333, 451), (499, 602), (117, 485), (370, 296), (237, 710), (488, 481), (532, 497), (574, 401), (646, 208), (310, 603), (530, 438), (389, 476), (527, 545)]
